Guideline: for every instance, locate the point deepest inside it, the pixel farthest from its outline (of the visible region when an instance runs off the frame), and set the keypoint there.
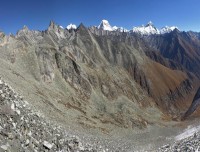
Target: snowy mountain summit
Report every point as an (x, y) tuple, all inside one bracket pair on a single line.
[(105, 25), (150, 29), (146, 30), (168, 29)]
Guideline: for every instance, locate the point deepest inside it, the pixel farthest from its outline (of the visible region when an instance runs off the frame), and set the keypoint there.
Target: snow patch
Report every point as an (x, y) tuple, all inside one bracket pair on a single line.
[(187, 133), (61, 27)]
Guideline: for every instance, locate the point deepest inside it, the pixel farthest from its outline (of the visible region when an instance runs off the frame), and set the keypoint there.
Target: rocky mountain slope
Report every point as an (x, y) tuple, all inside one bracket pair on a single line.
[(22, 129), (100, 80)]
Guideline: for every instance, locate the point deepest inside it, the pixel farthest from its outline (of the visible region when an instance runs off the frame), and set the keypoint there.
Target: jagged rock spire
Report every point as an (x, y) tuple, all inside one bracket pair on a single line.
[(52, 25)]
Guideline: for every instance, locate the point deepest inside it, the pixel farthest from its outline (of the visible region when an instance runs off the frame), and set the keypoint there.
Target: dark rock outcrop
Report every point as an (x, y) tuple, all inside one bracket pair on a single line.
[(194, 105)]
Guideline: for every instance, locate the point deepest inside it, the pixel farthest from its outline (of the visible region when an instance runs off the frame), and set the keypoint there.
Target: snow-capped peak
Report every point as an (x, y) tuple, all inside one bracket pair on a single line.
[(71, 26), (105, 25), (150, 23), (115, 28), (150, 29), (119, 29), (146, 30), (167, 29)]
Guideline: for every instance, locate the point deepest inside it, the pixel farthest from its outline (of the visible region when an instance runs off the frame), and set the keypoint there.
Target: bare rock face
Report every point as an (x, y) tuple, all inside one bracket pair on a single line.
[(194, 105), (2, 35), (157, 57), (181, 47), (46, 63), (73, 74)]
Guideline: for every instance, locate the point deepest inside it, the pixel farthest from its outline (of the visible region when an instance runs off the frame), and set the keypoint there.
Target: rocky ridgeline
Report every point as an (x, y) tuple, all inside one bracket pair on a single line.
[(21, 129), (190, 144)]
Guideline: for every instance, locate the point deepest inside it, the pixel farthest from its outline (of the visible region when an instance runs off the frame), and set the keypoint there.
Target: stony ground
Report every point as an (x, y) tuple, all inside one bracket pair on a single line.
[(189, 144), (22, 129)]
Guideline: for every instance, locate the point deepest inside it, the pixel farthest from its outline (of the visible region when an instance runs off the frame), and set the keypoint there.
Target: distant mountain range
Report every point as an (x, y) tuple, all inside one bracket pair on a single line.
[(143, 30)]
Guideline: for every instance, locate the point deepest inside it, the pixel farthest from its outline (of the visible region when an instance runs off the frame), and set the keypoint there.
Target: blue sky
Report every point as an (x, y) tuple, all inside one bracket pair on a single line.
[(36, 14)]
